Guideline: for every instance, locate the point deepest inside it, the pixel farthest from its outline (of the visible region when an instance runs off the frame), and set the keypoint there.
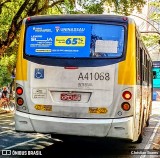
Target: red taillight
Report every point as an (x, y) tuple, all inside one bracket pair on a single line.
[(125, 18), (28, 19), (127, 95), (125, 106), (19, 91), (20, 101), (71, 67)]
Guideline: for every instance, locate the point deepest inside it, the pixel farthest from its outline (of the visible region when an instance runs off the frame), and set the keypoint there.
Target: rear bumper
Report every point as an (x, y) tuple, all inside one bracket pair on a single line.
[(118, 128)]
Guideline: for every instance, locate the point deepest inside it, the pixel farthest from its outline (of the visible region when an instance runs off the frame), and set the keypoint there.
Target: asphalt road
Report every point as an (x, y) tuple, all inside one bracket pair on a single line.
[(15, 144)]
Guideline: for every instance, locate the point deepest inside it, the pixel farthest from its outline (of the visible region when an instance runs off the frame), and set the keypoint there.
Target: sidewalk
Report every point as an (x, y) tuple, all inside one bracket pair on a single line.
[(155, 145)]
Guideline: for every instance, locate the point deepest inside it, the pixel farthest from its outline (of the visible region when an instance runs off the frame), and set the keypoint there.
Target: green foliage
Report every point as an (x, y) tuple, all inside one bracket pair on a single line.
[(54, 10), (94, 8), (125, 7), (91, 6), (7, 65), (7, 13), (156, 14), (151, 39), (5, 76), (81, 7), (68, 7)]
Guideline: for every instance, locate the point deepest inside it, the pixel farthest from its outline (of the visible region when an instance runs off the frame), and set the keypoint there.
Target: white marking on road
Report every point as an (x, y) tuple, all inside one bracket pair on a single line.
[(10, 147), (148, 145), (6, 131)]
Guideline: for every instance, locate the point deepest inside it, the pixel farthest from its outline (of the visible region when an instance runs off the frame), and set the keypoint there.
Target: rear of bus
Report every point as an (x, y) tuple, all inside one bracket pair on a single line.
[(74, 76)]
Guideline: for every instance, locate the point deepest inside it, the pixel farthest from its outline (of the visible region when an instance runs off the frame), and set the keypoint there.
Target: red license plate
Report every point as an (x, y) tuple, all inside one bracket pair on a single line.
[(70, 97)]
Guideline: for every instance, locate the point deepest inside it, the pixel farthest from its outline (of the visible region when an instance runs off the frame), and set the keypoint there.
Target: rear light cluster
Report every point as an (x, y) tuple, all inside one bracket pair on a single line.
[(125, 106), (19, 92), (127, 95), (20, 101)]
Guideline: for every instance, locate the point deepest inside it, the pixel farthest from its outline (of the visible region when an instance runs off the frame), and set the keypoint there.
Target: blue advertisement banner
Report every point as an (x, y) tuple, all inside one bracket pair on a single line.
[(60, 40), (75, 40)]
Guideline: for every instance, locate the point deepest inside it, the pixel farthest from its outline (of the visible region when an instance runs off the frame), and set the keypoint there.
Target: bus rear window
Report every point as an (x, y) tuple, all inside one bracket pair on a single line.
[(75, 40)]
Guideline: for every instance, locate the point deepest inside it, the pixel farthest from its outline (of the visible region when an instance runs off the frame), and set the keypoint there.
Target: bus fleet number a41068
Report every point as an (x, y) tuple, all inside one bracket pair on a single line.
[(94, 76)]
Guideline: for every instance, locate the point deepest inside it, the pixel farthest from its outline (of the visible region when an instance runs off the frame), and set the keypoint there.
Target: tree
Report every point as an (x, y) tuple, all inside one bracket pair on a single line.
[(16, 11), (152, 40), (7, 65), (155, 15), (124, 7)]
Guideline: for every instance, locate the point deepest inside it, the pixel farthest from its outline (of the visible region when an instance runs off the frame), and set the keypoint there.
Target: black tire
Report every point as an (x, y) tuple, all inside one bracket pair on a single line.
[(140, 138)]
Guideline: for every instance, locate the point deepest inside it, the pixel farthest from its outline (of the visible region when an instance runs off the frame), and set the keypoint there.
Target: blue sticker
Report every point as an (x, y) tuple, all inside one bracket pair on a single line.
[(39, 73)]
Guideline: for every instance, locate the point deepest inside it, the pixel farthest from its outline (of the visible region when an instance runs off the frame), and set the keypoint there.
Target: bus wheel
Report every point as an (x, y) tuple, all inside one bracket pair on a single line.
[(140, 138)]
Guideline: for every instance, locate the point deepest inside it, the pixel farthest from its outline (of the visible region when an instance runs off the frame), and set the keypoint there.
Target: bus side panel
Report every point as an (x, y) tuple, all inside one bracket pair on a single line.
[(127, 76)]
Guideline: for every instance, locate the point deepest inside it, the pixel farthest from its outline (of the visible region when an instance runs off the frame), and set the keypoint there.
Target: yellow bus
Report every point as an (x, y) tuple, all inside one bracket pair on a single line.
[(83, 75)]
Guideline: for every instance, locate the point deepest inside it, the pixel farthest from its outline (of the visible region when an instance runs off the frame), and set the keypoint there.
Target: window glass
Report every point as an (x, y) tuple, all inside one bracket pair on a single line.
[(156, 77), (75, 40)]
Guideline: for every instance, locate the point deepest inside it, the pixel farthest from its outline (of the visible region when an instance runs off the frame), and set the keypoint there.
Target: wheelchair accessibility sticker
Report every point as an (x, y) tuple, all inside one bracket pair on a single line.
[(39, 73)]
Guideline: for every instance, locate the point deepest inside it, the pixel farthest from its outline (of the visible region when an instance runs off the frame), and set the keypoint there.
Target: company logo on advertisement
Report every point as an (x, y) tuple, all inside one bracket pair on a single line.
[(57, 28), (69, 29), (40, 29)]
